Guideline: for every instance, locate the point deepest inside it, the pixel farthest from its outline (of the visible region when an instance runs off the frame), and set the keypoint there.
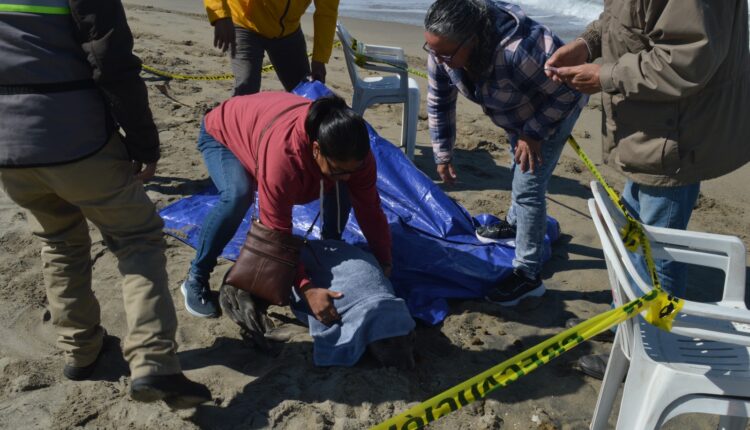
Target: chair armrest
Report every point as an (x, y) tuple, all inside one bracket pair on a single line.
[(719, 312), (723, 252), (385, 53), (399, 69), (377, 54), (735, 330), (383, 65)]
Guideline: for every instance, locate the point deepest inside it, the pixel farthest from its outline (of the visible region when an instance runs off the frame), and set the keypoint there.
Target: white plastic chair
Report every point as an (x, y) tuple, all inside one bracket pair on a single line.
[(703, 364), (395, 88)]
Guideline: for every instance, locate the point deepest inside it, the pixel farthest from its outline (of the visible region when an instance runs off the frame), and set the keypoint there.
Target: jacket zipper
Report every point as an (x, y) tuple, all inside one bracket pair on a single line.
[(281, 20)]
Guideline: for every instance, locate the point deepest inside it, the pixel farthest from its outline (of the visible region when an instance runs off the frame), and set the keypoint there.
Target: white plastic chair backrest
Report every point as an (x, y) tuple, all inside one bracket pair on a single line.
[(628, 283), (618, 279), (346, 42)]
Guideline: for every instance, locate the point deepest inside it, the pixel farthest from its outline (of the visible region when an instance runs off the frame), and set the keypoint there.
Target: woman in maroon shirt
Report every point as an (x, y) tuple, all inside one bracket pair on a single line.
[(294, 151)]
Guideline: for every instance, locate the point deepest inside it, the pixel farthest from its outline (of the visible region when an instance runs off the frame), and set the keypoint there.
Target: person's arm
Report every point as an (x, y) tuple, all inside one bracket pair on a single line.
[(529, 78), (366, 203), (441, 111), (585, 48), (592, 37), (103, 32), (688, 43), (324, 27), (276, 200), (220, 16), (217, 9)]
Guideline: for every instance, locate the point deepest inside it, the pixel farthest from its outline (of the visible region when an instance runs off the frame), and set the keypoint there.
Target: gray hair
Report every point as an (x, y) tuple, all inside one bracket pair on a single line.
[(457, 20)]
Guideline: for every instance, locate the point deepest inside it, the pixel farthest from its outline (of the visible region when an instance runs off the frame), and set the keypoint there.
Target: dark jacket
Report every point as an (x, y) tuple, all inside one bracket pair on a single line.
[(104, 34), (68, 80)]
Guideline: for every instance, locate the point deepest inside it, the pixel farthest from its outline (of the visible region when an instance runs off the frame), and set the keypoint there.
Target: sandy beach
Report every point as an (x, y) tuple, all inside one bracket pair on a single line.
[(283, 389)]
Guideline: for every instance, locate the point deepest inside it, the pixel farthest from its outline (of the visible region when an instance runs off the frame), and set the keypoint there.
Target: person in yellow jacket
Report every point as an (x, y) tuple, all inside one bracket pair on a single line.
[(250, 28)]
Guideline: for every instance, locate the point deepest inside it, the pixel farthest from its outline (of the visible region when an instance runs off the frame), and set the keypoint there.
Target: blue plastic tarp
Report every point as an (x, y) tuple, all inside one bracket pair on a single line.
[(436, 255)]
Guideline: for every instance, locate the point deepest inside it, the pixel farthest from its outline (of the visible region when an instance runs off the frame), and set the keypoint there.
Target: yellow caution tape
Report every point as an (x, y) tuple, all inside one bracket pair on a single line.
[(180, 77), (660, 308)]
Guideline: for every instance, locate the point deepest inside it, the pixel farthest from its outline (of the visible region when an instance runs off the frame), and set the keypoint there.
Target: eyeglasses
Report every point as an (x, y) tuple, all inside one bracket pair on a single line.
[(442, 57), (336, 172)]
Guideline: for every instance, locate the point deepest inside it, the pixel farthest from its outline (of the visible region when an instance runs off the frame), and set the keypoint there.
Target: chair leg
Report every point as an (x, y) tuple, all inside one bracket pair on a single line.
[(732, 423), (358, 103), (405, 126), (412, 102), (617, 367)]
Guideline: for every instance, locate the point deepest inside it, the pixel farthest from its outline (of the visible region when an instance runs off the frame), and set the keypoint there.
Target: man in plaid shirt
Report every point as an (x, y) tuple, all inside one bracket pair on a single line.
[(493, 54)]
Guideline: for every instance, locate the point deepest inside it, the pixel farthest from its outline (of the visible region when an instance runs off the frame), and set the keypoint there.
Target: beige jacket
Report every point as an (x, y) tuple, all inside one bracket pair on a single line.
[(676, 88)]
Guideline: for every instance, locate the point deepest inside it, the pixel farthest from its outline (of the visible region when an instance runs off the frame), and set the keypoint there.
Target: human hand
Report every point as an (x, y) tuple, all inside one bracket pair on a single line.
[(584, 78), (318, 71), (574, 53), (224, 36), (447, 173), (144, 173), (528, 154), (320, 301)]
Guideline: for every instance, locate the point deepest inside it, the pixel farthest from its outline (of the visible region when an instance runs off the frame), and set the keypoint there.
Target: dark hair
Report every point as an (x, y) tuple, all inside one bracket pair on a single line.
[(457, 20), (340, 132)]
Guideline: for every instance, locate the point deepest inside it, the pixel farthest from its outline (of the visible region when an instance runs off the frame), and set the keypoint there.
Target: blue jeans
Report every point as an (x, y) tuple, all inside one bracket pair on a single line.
[(236, 194), (528, 208), (669, 207)]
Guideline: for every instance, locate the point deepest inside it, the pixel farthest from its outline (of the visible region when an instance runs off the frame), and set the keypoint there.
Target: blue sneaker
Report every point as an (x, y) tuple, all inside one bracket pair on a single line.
[(198, 300)]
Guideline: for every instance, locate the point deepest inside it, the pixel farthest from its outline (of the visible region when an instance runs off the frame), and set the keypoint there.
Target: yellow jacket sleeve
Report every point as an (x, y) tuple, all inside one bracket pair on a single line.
[(324, 23), (217, 9)]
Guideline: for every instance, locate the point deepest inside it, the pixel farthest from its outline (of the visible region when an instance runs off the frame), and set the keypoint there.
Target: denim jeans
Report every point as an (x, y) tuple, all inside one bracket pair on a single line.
[(528, 208), (669, 207), (236, 194)]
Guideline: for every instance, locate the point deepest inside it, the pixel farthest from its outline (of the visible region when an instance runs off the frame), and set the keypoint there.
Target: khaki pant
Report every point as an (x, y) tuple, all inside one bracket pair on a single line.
[(100, 188)]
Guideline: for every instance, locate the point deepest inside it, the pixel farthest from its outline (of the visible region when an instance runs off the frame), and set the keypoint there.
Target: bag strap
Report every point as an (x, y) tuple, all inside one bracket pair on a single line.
[(265, 152), (265, 155)]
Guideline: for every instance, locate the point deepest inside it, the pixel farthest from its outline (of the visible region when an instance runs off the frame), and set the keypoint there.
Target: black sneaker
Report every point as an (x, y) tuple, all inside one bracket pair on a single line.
[(177, 391), (594, 365), (493, 233), (198, 300), (516, 288)]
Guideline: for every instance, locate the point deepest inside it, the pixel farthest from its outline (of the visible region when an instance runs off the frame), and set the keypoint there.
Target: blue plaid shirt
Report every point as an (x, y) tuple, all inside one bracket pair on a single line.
[(515, 93)]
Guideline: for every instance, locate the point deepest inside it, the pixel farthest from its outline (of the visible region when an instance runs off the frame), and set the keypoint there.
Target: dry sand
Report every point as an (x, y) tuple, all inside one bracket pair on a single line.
[(283, 389)]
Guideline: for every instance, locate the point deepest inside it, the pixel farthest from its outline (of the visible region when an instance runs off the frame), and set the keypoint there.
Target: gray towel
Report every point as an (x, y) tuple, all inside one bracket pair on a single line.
[(369, 309)]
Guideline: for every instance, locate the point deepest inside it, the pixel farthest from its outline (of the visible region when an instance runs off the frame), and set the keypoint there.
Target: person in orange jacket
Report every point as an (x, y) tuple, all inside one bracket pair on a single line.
[(250, 28)]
